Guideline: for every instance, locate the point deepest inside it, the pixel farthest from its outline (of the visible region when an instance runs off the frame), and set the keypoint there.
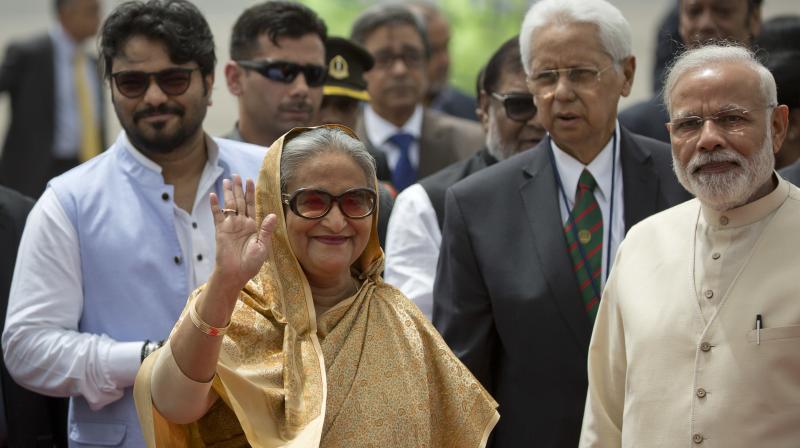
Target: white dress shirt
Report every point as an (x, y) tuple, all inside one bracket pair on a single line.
[(379, 131), (570, 170), (46, 299), (412, 247)]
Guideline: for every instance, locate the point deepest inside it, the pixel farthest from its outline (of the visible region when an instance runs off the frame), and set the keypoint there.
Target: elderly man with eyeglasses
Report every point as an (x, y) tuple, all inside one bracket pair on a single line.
[(511, 125), (696, 339), (408, 140), (527, 243), (277, 70), (113, 247)]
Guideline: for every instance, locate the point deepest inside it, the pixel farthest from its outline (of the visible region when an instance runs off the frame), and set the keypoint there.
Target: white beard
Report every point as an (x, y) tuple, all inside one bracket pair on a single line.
[(494, 142), (731, 189)]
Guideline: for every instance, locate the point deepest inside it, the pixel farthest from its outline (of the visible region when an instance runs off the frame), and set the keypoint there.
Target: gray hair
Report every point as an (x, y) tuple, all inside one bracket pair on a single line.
[(719, 54), (614, 30), (321, 141)]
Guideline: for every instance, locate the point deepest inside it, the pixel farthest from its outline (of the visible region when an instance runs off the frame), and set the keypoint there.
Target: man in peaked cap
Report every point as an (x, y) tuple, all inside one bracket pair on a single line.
[(343, 93), (345, 86)]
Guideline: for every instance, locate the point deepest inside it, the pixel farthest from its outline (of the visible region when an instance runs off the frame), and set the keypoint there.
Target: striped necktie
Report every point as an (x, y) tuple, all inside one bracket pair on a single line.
[(404, 174), (586, 252), (90, 134)]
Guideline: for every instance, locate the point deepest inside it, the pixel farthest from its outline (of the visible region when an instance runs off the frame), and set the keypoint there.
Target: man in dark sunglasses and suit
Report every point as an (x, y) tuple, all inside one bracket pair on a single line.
[(528, 242), (57, 104), (407, 140), (113, 248), (277, 70), (509, 120)]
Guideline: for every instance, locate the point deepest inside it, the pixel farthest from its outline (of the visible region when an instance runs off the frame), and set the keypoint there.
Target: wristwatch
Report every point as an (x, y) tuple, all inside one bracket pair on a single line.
[(149, 347)]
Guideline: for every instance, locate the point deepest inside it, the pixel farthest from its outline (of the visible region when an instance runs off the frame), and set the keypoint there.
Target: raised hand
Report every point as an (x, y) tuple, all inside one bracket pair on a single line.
[(242, 244)]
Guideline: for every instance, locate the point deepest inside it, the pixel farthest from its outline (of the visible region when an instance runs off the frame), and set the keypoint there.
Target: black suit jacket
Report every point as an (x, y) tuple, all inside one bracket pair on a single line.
[(436, 185), (32, 420), (647, 118), (791, 173), (506, 299), (28, 75)]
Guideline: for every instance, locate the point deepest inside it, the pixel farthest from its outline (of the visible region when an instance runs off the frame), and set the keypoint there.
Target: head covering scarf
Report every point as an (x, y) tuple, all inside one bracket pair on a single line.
[(371, 371)]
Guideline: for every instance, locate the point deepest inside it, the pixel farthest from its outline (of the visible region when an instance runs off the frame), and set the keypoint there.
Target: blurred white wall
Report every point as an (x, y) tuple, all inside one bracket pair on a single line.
[(21, 18)]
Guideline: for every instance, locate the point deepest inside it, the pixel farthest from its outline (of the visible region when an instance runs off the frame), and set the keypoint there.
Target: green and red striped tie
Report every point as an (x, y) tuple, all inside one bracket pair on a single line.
[(588, 221)]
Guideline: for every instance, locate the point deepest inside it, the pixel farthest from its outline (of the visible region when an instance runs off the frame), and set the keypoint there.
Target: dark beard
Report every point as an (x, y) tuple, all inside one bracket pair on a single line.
[(161, 143)]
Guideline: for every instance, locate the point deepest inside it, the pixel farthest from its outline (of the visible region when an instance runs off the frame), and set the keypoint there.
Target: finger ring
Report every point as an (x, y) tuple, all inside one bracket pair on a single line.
[(225, 211)]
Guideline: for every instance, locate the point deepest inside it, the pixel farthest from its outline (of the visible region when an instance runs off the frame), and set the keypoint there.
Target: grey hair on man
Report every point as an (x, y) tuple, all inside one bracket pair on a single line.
[(381, 15), (323, 140), (613, 29), (719, 54)]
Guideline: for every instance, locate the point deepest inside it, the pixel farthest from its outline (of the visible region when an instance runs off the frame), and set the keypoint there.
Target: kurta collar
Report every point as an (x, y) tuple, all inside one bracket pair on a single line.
[(748, 213), (148, 171)]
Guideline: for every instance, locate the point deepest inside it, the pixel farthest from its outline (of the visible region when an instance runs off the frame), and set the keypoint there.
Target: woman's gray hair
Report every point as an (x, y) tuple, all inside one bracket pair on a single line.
[(613, 29), (719, 54), (320, 141)]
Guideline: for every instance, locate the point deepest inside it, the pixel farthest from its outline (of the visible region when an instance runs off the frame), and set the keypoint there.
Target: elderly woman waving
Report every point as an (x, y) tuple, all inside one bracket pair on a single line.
[(295, 340)]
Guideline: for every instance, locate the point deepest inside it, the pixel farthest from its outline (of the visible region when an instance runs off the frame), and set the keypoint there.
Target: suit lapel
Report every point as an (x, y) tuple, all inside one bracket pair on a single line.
[(432, 146), (540, 198), (640, 180)]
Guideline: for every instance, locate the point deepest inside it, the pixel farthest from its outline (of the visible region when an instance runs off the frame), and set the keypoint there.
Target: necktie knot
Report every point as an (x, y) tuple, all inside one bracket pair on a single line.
[(403, 141), (586, 182)]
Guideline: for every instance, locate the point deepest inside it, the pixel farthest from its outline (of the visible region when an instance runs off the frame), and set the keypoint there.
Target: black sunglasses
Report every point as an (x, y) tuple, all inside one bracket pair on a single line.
[(286, 72), (172, 81), (314, 204), (518, 106)]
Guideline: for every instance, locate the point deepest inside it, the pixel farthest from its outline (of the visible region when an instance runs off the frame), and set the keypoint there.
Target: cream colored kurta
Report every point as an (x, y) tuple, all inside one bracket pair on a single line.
[(674, 359)]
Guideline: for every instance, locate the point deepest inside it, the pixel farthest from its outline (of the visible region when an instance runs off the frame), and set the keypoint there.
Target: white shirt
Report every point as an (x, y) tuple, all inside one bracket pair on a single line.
[(413, 238), (570, 170), (379, 131), (46, 300)]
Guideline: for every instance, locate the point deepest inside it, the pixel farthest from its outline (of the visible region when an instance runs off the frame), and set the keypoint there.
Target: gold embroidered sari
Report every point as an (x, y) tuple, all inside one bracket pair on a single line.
[(370, 372)]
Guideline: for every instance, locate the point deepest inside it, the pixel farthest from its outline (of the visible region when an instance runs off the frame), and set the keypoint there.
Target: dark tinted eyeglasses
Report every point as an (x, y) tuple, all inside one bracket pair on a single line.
[(315, 204), (286, 72), (518, 106), (172, 81)]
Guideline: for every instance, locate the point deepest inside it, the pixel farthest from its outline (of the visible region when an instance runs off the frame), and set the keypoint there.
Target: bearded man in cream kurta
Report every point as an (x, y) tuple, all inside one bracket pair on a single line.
[(677, 357)]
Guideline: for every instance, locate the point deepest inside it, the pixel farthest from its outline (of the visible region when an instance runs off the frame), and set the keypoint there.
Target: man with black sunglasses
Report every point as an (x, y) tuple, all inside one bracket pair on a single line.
[(408, 140), (277, 70), (113, 247), (509, 121)]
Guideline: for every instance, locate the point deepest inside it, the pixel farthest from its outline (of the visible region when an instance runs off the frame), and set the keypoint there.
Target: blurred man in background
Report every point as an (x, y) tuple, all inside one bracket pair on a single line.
[(57, 112), (441, 95)]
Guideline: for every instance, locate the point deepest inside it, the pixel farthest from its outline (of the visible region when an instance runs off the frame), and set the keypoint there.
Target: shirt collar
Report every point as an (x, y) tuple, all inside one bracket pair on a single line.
[(749, 213), (211, 148), (379, 130), (570, 169)]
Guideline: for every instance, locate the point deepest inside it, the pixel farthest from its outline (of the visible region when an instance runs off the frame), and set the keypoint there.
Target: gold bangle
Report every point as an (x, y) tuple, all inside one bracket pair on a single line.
[(204, 327)]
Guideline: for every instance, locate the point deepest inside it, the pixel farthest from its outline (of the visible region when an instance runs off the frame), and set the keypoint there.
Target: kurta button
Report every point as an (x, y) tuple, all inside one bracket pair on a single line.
[(715, 255), (194, 225), (705, 346), (701, 393), (165, 196), (709, 294), (177, 259), (199, 257), (697, 438), (723, 220)]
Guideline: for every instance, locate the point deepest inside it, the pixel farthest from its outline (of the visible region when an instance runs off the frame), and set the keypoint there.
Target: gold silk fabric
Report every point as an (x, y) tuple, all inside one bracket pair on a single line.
[(370, 372)]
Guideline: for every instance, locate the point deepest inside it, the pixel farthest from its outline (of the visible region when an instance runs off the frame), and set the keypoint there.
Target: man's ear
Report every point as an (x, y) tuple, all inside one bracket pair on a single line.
[(628, 71), (233, 77), (483, 110), (779, 126)]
